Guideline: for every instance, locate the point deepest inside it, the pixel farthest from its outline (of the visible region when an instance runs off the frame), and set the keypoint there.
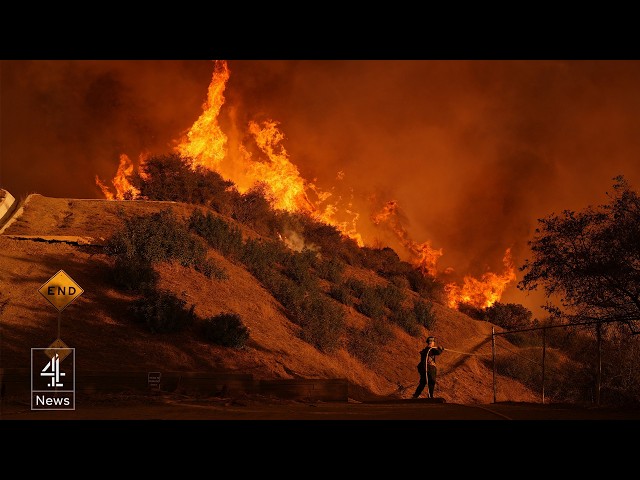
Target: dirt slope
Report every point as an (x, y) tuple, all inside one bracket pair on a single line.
[(49, 234)]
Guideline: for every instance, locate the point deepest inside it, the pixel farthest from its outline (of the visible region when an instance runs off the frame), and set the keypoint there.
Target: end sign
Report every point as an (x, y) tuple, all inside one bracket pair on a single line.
[(60, 290)]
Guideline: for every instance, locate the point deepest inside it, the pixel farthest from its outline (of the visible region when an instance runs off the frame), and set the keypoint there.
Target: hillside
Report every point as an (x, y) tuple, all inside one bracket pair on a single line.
[(48, 234)]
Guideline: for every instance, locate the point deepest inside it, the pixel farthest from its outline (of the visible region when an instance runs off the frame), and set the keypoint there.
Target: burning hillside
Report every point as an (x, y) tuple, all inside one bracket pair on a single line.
[(260, 158)]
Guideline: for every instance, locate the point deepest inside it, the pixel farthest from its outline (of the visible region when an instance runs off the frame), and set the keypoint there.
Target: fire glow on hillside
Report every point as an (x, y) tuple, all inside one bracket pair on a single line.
[(268, 164)]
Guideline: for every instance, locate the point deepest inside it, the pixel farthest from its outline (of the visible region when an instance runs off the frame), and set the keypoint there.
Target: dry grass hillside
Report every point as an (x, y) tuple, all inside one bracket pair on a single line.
[(49, 234)]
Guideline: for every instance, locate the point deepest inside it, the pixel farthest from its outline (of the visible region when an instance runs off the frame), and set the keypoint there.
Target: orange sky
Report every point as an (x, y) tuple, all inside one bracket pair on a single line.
[(472, 151)]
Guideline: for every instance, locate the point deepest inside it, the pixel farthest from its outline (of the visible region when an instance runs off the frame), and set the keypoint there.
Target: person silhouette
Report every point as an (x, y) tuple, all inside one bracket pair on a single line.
[(427, 367)]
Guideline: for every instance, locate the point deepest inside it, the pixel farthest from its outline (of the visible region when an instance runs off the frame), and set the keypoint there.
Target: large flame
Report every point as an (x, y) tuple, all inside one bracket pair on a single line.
[(206, 145), (271, 167), (285, 186), (423, 255), (205, 142), (268, 164), (124, 190), (483, 292)]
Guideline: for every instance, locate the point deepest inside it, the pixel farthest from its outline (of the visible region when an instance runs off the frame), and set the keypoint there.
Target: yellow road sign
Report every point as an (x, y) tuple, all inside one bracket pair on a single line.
[(59, 347), (60, 290)]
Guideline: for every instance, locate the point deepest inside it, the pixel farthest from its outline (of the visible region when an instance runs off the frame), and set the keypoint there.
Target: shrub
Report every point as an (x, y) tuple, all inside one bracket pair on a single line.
[(225, 238), (366, 344), (156, 237), (175, 178), (331, 269), (621, 384), (356, 286), (391, 296), (424, 314), (400, 281), (341, 293), (370, 303), (298, 266), (349, 251), (226, 329), (253, 209), (153, 238), (524, 339), (133, 274), (322, 322), (510, 316), (287, 292), (425, 285), (405, 318), (384, 261), (321, 319), (210, 269), (574, 341), (261, 256), (371, 258), (327, 237), (330, 240), (471, 311), (162, 312), (563, 382)]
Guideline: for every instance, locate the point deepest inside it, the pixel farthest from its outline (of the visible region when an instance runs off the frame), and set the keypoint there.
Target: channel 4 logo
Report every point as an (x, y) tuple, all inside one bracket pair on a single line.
[(53, 372)]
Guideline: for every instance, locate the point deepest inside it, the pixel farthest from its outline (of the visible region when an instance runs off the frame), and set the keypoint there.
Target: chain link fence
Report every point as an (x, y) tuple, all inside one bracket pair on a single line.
[(590, 363)]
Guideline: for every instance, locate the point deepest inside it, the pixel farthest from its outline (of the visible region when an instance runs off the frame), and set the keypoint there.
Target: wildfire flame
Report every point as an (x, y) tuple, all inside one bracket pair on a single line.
[(424, 256), (206, 145), (124, 189), (206, 142), (483, 292), (285, 186)]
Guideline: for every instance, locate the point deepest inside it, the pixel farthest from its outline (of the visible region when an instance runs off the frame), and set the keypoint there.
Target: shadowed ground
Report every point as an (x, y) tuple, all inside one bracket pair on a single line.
[(257, 407)]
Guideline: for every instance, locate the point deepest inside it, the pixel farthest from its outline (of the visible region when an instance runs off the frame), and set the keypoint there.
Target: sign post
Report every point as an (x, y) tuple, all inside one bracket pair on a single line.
[(58, 393), (60, 290)]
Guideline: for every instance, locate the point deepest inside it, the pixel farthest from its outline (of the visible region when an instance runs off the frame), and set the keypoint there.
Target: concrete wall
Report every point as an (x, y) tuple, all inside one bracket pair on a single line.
[(7, 206)]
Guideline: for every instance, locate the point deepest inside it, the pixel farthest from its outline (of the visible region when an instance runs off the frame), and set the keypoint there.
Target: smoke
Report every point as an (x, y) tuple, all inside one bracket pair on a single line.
[(296, 242), (472, 152), (66, 121)]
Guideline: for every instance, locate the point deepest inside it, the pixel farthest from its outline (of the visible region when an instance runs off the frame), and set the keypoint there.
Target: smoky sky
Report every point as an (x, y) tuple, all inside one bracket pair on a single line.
[(474, 152)]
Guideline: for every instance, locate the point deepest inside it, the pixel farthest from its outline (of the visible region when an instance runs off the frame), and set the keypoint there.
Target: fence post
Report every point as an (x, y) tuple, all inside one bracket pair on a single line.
[(493, 354), (544, 351), (599, 371)]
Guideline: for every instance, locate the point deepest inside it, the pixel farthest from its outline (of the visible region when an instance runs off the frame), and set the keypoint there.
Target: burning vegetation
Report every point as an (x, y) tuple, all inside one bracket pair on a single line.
[(257, 172), (485, 291)]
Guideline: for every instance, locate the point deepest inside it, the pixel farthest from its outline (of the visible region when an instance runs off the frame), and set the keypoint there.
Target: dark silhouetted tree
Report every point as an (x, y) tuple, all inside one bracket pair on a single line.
[(175, 178), (510, 316), (590, 260)]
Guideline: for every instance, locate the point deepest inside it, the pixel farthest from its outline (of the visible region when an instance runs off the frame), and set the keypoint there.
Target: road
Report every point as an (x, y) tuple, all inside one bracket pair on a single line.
[(319, 434), (177, 407)]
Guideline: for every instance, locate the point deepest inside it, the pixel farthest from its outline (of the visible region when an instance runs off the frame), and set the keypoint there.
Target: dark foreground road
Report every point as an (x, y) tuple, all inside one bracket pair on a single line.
[(174, 407), (152, 430)]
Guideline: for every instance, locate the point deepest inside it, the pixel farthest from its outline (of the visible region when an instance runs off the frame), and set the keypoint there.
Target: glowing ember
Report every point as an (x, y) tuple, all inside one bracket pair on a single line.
[(124, 189), (483, 292), (423, 255)]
